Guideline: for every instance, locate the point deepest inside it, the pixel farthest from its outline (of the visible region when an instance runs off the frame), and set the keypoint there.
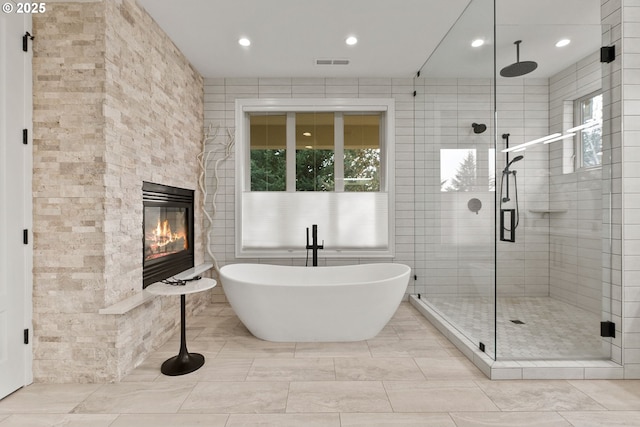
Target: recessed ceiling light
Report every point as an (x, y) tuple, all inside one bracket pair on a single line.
[(306, 133), (351, 40), (563, 42), (477, 43), (308, 147), (244, 42)]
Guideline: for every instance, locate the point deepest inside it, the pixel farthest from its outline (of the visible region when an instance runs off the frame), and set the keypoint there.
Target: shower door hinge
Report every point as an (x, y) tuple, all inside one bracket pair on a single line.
[(607, 54), (607, 329), (26, 336), (415, 93), (25, 136), (481, 346), (25, 236)]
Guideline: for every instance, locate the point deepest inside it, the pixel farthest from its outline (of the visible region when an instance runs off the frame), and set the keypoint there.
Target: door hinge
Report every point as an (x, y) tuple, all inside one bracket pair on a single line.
[(25, 136), (25, 41), (25, 236), (607, 329), (608, 54), (26, 336)]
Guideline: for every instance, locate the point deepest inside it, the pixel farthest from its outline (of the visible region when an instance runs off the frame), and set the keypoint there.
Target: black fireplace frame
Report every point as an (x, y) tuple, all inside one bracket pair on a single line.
[(158, 195)]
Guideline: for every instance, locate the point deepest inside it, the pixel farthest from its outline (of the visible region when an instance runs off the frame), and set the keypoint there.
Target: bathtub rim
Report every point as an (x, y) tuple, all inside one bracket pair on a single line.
[(405, 270)]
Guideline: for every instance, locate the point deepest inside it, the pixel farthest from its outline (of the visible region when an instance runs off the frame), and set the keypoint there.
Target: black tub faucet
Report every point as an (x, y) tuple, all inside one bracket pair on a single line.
[(314, 246)]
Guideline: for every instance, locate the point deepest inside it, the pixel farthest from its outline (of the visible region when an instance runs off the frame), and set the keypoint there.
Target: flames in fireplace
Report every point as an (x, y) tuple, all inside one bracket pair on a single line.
[(161, 240)]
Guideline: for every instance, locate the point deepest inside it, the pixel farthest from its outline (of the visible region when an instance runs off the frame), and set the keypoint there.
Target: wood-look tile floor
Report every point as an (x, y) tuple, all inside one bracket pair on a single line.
[(409, 375)]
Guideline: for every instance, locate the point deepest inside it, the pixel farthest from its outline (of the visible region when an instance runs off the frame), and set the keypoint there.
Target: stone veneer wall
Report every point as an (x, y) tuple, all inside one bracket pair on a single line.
[(115, 103)]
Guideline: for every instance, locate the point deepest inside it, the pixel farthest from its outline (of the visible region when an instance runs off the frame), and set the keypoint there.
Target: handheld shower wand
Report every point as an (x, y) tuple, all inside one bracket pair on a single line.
[(507, 172), (512, 214), (515, 159)]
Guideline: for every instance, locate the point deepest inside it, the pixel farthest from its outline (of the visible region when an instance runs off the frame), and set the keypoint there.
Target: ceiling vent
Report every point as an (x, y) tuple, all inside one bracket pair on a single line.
[(332, 62)]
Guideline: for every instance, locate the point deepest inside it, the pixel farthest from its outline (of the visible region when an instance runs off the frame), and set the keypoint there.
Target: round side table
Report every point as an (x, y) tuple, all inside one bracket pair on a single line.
[(184, 362)]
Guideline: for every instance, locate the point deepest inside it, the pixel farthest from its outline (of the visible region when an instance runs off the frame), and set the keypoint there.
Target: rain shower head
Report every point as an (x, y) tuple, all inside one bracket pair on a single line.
[(478, 127), (518, 68)]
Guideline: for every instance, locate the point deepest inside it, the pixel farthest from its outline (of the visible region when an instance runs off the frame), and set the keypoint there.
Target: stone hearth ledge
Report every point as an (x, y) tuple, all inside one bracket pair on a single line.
[(128, 304)]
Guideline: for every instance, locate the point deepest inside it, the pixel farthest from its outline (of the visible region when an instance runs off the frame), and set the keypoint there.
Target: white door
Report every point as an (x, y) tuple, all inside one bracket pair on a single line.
[(15, 203)]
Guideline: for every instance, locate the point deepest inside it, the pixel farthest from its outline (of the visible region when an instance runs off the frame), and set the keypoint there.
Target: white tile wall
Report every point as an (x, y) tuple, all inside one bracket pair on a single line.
[(533, 172), (220, 96), (576, 235), (454, 247), (625, 14)]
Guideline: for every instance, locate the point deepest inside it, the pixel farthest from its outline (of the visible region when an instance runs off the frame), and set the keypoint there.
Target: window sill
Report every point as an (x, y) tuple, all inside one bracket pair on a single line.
[(324, 253)]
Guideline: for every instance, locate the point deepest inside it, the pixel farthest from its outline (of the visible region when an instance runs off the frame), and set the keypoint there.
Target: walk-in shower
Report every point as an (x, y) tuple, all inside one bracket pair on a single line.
[(541, 293)]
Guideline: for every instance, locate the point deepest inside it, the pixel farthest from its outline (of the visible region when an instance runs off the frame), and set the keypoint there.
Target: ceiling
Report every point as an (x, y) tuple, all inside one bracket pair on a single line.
[(396, 37)]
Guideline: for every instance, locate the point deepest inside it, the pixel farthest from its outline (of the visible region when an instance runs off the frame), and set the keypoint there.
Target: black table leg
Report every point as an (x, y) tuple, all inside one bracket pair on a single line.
[(184, 362)]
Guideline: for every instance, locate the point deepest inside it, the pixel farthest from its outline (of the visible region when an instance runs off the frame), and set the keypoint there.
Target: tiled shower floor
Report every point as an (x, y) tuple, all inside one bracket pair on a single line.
[(550, 329)]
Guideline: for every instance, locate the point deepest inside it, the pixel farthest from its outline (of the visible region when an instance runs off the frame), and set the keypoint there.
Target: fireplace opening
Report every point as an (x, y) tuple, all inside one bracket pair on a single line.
[(167, 230)]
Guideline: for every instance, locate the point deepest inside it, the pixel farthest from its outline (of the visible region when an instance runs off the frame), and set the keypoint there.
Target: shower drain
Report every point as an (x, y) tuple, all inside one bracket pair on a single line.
[(517, 322)]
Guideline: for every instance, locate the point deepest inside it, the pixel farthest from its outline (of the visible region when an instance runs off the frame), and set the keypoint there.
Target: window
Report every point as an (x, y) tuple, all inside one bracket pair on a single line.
[(457, 169), (268, 152), (362, 152), (588, 114), (315, 152), (303, 162)]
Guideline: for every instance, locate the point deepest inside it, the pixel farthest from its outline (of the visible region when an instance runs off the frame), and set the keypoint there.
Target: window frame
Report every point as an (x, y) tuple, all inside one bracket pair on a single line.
[(245, 106)]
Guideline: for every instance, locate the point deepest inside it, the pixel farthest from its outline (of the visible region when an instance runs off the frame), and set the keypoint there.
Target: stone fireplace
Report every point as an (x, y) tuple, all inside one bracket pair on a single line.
[(115, 104)]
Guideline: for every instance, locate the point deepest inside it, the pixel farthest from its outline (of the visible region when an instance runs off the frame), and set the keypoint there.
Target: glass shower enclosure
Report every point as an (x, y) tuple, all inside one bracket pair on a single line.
[(513, 247)]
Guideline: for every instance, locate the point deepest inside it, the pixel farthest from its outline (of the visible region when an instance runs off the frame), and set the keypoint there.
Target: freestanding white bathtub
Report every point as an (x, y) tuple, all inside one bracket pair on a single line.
[(305, 304)]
